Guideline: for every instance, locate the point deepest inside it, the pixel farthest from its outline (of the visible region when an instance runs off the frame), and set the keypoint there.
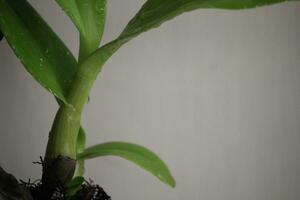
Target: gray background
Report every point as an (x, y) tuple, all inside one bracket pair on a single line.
[(214, 93)]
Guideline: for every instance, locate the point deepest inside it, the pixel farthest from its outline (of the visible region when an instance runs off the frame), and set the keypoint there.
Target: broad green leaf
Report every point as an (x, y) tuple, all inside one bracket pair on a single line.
[(89, 18), (81, 138), (155, 12), (134, 153), (39, 49)]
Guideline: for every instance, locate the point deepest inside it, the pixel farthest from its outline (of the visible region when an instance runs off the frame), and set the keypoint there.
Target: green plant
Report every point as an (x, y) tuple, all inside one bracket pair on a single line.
[(70, 80)]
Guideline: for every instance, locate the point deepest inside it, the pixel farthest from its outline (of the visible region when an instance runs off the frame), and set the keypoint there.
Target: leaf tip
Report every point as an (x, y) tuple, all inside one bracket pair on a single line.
[(170, 181)]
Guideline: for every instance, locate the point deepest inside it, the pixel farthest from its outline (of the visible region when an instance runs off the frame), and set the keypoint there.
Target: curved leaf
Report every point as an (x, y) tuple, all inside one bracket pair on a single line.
[(134, 153), (155, 12), (40, 50), (89, 18)]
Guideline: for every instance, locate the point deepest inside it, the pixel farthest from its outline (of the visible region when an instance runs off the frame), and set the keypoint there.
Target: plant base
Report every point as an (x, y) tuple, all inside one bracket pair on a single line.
[(87, 191)]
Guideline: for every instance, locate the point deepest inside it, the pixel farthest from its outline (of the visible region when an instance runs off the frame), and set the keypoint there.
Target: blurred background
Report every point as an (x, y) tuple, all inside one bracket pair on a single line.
[(215, 93)]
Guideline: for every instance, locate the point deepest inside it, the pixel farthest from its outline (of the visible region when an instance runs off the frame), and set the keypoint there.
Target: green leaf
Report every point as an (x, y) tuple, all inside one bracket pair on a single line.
[(81, 139), (73, 186), (75, 182), (134, 153), (155, 12), (89, 18), (39, 49)]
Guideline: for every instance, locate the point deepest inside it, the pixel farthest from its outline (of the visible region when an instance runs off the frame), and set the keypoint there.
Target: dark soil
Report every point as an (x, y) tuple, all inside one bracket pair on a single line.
[(11, 189), (87, 191)]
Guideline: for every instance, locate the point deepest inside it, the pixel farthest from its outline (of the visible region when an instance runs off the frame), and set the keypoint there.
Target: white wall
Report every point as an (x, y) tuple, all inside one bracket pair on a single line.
[(214, 93)]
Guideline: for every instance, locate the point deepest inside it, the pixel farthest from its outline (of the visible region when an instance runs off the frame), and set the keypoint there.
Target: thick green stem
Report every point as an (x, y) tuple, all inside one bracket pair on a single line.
[(63, 135), (62, 144), (60, 159), (86, 47)]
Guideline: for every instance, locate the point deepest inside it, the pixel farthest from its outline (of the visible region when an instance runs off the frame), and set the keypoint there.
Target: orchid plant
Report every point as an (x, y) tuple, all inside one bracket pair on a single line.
[(70, 79)]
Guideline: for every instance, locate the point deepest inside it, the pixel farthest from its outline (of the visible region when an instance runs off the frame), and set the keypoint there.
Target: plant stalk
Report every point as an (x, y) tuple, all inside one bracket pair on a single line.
[(62, 141), (63, 135)]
